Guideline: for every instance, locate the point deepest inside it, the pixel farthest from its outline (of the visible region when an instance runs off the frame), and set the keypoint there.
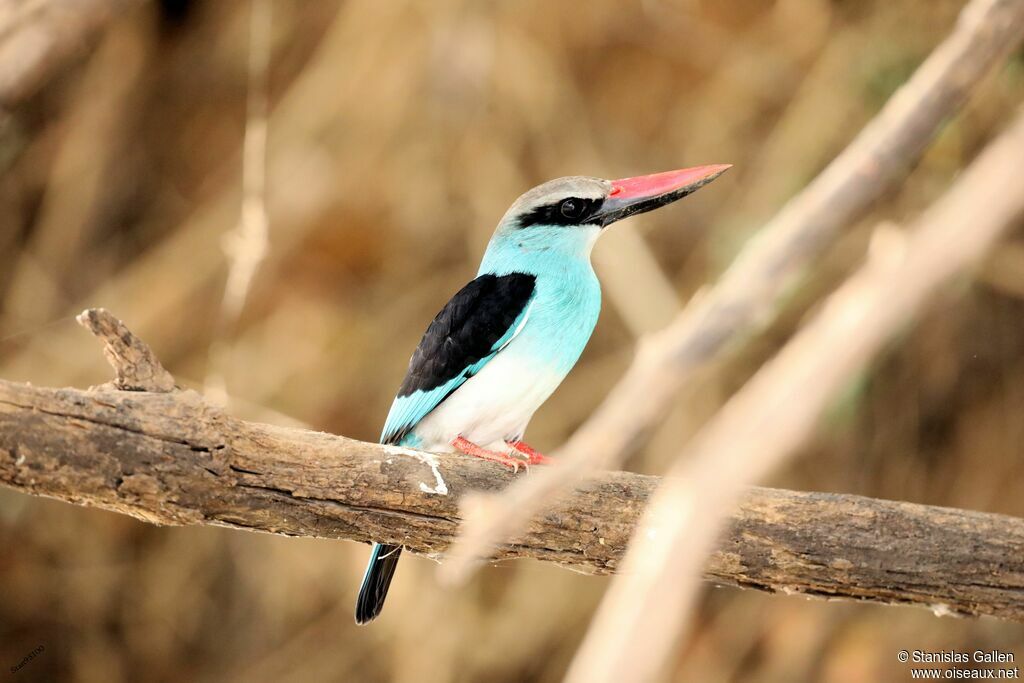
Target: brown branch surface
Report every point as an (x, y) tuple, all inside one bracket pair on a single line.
[(172, 458)]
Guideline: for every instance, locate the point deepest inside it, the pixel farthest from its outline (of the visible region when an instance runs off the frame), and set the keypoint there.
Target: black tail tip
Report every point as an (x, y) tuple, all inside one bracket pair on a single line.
[(370, 602), (376, 582), (366, 613)]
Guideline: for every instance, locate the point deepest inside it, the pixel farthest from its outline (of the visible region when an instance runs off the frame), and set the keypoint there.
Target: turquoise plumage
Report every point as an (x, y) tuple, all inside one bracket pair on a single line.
[(506, 340)]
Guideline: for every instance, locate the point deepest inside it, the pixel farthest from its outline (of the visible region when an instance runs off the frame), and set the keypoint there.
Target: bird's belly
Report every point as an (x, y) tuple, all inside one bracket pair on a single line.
[(494, 405)]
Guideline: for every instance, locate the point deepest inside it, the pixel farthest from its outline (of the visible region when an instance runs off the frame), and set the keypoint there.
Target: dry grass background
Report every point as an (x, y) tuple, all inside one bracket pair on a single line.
[(399, 132)]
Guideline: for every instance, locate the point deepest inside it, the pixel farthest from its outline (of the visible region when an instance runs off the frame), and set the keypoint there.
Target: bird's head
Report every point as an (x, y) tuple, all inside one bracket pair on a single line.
[(567, 214)]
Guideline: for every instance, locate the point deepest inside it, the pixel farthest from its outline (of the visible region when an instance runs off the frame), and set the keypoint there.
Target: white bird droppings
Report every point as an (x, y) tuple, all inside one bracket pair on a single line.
[(440, 488)]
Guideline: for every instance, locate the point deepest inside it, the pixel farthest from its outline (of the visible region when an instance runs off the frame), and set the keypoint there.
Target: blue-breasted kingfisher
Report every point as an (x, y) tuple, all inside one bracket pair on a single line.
[(505, 341)]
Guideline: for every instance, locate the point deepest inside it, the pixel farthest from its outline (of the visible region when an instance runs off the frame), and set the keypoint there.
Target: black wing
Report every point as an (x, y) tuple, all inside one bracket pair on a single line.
[(467, 333)]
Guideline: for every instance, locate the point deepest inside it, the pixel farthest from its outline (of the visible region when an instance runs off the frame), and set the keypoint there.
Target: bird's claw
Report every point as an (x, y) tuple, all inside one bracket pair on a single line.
[(532, 457), (469, 448)]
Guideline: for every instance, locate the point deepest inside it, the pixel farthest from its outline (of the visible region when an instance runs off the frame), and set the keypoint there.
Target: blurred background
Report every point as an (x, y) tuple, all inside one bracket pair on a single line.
[(398, 133)]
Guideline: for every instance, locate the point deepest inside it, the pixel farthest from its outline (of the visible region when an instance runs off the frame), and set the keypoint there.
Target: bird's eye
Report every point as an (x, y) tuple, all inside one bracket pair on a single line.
[(572, 208)]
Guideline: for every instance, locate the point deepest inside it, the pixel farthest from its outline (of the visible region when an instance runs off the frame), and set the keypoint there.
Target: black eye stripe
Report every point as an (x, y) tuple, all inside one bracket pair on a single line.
[(554, 214)]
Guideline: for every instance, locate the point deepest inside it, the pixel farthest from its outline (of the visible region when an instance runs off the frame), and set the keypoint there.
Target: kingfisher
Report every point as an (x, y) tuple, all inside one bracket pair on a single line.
[(505, 341)]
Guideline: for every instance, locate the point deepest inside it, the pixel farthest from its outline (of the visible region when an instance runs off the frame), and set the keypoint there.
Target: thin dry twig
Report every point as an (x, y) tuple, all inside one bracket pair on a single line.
[(644, 612), (173, 458), (246, 246), (748, 294)]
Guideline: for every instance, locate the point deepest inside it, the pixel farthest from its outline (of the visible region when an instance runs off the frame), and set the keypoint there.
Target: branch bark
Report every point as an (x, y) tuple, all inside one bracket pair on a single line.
[(169, 457), (135, 365)]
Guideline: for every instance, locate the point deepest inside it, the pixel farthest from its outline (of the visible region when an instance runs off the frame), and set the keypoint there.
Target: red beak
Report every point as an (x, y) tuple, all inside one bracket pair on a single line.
[(644, 186), (631, 196)]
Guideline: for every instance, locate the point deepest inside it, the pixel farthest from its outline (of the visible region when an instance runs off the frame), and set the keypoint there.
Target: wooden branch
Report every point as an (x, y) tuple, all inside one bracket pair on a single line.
[(172, 458), (37, 38)]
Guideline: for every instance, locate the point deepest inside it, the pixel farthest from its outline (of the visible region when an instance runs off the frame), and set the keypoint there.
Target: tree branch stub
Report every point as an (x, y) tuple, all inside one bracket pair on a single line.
[(136, 367)]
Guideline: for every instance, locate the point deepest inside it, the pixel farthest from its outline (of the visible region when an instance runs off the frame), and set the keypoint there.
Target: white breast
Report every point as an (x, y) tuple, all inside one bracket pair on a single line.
[(493, 406)]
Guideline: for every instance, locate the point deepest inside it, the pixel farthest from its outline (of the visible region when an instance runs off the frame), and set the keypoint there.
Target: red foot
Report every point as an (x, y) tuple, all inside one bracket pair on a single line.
[(470, 448), (532, 456)]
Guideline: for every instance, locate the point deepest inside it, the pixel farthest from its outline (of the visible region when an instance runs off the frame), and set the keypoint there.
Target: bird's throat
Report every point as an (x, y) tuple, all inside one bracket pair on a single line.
[(540, 249)]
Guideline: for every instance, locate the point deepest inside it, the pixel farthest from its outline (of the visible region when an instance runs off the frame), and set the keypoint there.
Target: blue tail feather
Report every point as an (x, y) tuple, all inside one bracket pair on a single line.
[(376, 580)]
